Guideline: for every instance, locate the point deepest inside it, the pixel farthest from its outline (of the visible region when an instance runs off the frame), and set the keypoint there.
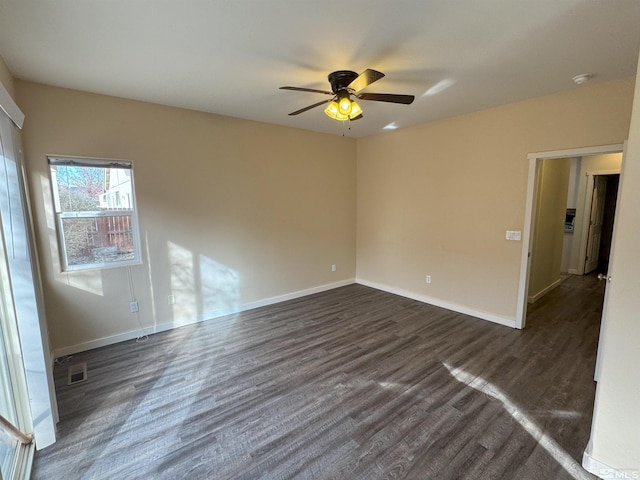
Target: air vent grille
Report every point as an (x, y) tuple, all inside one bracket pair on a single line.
[(77, 373)]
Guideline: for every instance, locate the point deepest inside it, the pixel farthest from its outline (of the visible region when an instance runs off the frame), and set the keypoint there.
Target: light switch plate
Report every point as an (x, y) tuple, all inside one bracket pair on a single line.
[(515, 235)]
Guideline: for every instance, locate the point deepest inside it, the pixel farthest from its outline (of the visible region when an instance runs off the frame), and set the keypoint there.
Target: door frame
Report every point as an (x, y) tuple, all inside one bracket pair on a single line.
[(586, 214), (535, 160)]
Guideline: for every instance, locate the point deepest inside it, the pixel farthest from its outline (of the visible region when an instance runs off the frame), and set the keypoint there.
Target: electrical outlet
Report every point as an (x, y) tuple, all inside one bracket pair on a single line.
[(171, 299), (133, 306), (428, 279), (334, 267)]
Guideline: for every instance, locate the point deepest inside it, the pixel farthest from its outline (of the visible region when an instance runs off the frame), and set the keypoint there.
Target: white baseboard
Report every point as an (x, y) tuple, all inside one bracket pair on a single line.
[(573, 271), (506, 321), (604, 471), (130, 335), (544, 291)]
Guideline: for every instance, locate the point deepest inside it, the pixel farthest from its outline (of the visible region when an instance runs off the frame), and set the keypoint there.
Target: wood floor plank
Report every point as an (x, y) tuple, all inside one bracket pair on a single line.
[(352, 383)]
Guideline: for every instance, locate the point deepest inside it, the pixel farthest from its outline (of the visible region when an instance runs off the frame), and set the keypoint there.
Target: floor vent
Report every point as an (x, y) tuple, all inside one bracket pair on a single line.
[(77, 373)]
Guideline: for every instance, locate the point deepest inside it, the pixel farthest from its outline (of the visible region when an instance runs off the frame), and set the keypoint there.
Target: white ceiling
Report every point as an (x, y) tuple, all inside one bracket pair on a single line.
[(230, 56)]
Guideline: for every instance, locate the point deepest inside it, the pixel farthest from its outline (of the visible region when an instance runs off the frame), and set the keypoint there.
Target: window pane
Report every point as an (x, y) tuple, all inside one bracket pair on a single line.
[(8, 452), (94, 202), (98, 240), (78, 188), (90, 189)]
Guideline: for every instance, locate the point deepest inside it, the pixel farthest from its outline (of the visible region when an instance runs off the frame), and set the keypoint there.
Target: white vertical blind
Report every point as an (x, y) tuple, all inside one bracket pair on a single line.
[(26, 288)]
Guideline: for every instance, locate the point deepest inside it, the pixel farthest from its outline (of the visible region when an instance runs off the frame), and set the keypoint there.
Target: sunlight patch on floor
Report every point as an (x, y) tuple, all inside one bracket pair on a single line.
[(549, 444)]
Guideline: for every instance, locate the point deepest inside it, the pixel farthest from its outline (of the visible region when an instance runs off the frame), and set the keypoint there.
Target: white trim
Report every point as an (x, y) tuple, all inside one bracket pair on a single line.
[(544, 291), (573, 271), (604, 471), (610, 273), (24, 463), (130, 335), (10, 107), (595, 173), (64, 161), (577, 152), (521, 308), (525, 255), (586, 214), (506, 321)]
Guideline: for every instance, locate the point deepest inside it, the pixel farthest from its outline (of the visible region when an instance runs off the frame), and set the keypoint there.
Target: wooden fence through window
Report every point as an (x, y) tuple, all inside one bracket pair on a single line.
[(114, 232)]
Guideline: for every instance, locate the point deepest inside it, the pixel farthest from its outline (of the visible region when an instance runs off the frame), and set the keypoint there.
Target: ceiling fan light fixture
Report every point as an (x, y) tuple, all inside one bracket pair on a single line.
[(332, 110), (343, 109), (344, 84), (355, 110), (344, 105)]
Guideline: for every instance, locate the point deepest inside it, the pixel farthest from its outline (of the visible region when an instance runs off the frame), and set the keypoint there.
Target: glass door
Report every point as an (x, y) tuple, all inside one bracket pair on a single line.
[(16, 448), (27, 396), (9, 444), (17, 312)]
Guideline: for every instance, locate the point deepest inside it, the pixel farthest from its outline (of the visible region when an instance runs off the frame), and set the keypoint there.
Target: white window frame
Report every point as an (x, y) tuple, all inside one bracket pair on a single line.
[(61, 215)]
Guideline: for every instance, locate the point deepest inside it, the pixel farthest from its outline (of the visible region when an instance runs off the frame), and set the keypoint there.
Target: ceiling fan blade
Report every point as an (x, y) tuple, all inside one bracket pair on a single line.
[(357, 118), (364, 79), (310, 107), (387, 97), (300, 89)]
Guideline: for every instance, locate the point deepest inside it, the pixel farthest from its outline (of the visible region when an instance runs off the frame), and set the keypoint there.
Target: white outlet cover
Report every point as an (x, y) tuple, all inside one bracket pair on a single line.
[(515, 235)]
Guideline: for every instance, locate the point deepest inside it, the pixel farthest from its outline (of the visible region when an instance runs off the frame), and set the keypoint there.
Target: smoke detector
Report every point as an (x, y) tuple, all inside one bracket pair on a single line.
[(582, 78)]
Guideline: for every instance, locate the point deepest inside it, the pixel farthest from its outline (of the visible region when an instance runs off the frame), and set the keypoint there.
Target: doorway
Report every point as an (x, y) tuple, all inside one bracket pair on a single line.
[(604, 195), (580, 242)]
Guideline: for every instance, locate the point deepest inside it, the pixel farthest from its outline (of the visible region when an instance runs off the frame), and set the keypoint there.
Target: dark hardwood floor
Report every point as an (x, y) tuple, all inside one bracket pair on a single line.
[(353, 383)]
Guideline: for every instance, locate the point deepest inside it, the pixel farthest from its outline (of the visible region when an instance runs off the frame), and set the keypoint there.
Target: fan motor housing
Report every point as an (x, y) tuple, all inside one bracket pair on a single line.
[(340, 79)]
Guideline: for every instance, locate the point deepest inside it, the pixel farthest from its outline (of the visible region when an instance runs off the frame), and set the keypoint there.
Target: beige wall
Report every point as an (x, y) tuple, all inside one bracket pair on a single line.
[(6, 78), (437, 198), (231, 211), (592, 163), (615, 435), (548, 231)]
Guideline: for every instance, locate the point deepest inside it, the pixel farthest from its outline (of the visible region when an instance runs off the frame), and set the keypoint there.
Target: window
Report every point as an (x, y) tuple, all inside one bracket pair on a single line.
[(95, 212)]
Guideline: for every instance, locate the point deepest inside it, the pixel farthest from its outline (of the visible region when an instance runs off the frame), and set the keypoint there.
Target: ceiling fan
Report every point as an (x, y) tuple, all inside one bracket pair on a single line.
[(346, 84)]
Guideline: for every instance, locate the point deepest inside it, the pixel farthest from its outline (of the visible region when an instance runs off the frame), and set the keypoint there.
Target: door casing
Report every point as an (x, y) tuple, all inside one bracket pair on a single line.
[(535, 160)]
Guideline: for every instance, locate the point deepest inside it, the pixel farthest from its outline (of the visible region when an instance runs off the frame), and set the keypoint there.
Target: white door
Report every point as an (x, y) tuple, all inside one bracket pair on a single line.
[(595, 223), (605, 304)]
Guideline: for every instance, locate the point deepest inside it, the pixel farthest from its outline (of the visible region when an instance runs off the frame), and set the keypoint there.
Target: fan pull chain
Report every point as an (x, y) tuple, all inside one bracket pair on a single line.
[(348, 121)]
